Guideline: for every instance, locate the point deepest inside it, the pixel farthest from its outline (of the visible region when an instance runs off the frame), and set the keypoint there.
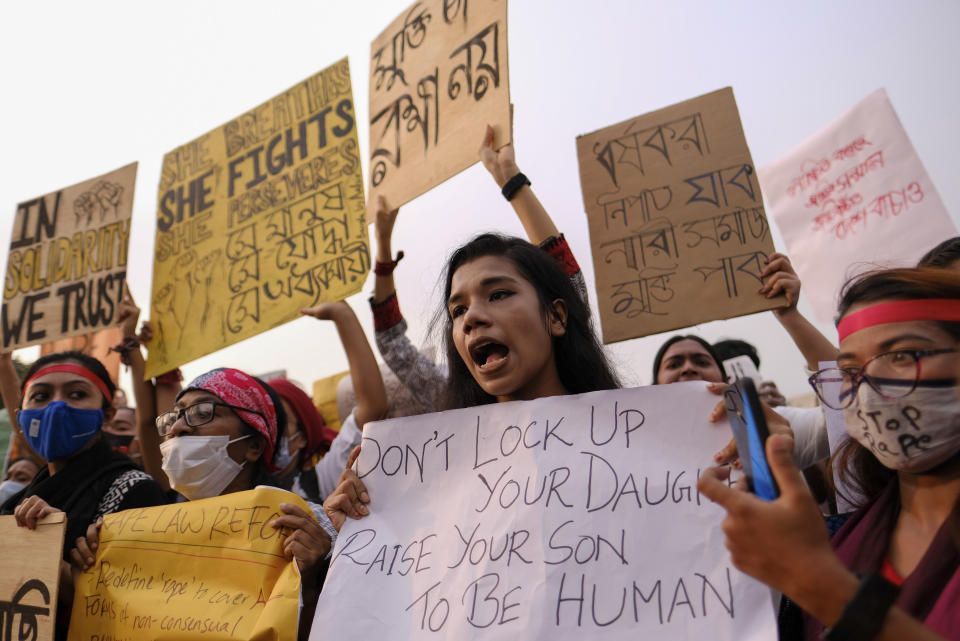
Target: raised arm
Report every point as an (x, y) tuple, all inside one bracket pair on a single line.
[(417, 372), (780, 278), (502, 165), (10, 392), (371, 396), (143, 393)]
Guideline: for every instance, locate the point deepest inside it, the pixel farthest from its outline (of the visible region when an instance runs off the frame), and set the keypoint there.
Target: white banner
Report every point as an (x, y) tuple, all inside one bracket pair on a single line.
[(562, 518), (852, 197)]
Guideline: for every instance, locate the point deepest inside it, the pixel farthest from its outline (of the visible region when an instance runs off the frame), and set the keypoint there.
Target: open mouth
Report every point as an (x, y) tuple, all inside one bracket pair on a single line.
[(488, 353)]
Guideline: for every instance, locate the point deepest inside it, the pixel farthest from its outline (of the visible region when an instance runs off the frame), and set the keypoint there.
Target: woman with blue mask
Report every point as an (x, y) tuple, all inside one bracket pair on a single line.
[(65, 399)]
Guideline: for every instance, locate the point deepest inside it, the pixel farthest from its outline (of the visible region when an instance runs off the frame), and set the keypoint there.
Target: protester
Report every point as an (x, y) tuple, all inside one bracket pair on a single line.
[(516, 328), (687, 358), (20, 472), (120, 431), (418, 372), (306, 435), (899, 340)]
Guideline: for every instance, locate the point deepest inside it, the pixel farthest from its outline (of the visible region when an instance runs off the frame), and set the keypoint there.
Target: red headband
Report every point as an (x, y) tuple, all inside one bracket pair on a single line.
[(925, 309), (72, 369)]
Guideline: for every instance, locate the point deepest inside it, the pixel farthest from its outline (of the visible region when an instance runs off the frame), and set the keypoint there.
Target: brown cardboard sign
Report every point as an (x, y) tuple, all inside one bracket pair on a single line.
[(29, 576), (677, 227), (438, 76), (68, 260)]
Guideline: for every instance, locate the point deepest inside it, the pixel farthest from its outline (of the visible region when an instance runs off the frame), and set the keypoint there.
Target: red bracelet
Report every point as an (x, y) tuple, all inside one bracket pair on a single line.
[(385, 269)]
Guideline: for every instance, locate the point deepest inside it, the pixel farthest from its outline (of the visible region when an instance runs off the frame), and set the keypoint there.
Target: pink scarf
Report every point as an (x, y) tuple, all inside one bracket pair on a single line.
[(931, 593)]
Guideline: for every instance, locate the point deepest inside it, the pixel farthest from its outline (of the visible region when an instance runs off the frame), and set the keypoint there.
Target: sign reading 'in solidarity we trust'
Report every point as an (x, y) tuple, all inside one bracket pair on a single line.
[(257, 219), (68, 260)]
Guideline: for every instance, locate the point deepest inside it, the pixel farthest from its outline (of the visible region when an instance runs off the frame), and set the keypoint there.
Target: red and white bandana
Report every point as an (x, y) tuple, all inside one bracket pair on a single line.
[(236, 388)]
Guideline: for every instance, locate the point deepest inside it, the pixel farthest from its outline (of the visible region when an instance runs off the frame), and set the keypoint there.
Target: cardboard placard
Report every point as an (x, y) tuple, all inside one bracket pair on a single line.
[(564, 518), (438, 76), (257, 219), (677, 227), (854, 195), (211, 569), (68, 260), (96, 344), (29, 576)]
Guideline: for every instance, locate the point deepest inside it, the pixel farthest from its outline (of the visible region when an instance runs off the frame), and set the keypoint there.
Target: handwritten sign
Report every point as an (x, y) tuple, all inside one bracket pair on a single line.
[(208, 569), (855, 193), (677, 226), (29, 577), (68, 260), (561, 518), (438, 76), (257, 219)]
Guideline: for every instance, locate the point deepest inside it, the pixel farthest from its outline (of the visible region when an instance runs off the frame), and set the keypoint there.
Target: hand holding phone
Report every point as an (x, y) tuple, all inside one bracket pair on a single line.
[(750, 431)]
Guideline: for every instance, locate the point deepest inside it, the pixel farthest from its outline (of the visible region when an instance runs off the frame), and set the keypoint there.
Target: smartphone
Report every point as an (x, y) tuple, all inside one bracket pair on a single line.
[(750, 431)]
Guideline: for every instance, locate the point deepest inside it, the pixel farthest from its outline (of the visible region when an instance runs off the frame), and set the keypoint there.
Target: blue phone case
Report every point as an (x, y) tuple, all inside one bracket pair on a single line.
[(750, 431)]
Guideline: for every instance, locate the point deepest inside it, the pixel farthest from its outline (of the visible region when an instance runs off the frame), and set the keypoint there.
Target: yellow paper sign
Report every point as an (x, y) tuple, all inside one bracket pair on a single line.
[(68, 260), (325, 398), (209, 569), (29, 572), (257, 219)]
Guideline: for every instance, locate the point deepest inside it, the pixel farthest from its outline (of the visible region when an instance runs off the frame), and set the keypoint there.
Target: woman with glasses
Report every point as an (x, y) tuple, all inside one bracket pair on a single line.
[(893, 569)]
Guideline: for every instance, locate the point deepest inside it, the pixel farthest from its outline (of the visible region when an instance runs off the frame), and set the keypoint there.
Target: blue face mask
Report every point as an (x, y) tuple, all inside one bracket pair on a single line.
[(59, 430)]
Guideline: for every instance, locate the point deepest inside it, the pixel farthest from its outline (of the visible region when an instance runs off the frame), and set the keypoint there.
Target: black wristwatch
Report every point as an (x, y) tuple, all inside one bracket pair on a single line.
[(513, 186), (864, 615)]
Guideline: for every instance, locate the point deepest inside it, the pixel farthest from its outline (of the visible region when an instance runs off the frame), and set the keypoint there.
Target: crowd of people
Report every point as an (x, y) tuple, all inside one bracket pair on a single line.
[(515, 325)]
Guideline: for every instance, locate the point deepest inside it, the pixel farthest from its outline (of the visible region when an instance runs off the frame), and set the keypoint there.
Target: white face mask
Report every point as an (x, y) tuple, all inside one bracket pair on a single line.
[(199, 467), (911, 434), (282, 456), (8, 488)]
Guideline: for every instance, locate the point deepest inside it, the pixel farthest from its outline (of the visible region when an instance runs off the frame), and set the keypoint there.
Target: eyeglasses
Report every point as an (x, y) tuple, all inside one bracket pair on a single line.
[(196, 415), (891, 374)]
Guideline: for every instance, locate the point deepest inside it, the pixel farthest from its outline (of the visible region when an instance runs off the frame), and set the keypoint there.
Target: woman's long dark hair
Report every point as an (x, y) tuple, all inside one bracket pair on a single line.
[(580, 359), (856, 467), (85, 360)]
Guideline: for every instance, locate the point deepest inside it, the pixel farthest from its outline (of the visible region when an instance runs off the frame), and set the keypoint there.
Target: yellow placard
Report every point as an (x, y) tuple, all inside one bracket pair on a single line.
[(209, 569), (257, 219), (325, 399)]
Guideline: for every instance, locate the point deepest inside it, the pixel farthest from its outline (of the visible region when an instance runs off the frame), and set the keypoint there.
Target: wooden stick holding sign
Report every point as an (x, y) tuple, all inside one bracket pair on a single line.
[(438, 74), (677, 227), (68, 260), (29, 576)]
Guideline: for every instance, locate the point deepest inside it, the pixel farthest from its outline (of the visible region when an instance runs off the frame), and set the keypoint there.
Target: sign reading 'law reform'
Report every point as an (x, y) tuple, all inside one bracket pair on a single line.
[(257, 219), (68, 260), (677, 227), (563, 518)]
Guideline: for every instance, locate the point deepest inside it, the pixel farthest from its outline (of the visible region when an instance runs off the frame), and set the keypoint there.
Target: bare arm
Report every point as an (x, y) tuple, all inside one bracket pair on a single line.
[(143, 397), (780, 278), (502, 165), (368, 386), (10, 392), (383, 284)]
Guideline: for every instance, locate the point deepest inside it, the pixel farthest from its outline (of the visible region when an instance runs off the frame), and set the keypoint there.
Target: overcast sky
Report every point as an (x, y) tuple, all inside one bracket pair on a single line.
[(91, 86)]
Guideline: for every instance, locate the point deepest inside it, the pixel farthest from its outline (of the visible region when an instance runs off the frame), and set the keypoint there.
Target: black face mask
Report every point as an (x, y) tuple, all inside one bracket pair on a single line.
[(118, 442)]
